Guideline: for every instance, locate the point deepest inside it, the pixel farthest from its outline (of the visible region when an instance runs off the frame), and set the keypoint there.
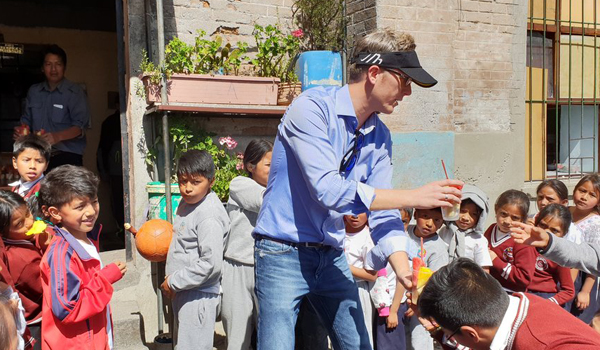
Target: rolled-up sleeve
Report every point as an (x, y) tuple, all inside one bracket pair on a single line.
[(305, 130), (387, 229)]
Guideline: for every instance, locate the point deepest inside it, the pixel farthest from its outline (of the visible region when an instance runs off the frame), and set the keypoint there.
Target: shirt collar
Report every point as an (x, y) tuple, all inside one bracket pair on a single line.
[(24, 187), (59, 87), (505, 331), (345, 108)]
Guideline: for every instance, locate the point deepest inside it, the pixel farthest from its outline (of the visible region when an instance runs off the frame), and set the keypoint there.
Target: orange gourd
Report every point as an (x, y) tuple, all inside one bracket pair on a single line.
[(153, 239)]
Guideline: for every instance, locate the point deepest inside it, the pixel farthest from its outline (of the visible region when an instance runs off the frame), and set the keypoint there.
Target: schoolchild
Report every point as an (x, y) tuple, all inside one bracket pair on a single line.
[(513, 264), (77, 286), (195, 256)]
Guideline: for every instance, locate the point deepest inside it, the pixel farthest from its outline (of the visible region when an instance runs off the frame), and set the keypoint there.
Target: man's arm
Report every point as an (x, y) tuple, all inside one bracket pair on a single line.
[(59, 136), (585, 256)]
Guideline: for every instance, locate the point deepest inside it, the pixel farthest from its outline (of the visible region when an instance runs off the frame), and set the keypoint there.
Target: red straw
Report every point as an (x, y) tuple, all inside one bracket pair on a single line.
[(445, 172)]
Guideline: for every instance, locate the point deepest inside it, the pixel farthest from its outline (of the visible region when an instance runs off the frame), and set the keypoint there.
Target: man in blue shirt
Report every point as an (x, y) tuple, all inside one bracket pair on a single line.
[(59, 108), (332, 157)]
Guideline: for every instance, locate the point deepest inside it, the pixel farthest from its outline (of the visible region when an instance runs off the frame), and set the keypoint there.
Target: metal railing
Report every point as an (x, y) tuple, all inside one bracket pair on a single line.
[(573, 151)]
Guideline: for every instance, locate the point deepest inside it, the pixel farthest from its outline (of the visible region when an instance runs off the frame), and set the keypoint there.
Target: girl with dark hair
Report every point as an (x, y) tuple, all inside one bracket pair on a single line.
[(550, 280), (513, 264), (586, 197), (239, 310), (24, 252), (555, 192)]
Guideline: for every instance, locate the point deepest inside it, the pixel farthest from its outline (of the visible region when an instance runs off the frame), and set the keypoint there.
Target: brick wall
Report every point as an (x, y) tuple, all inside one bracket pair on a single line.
[(472, 47)]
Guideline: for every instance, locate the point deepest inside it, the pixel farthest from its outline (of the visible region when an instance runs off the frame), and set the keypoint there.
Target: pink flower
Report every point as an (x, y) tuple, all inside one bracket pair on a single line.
[(298, 33), (239, 166), (229, 142), (240, 156)]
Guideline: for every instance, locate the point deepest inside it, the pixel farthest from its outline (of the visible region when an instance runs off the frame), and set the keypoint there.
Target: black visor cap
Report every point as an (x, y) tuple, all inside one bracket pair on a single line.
[(407, 62)]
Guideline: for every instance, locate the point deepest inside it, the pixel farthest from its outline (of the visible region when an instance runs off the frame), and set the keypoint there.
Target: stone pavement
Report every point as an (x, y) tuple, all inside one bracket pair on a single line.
[(134, 307)]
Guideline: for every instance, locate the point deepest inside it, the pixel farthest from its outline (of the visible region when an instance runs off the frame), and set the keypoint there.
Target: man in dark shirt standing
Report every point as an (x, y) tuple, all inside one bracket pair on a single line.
[(59, 108)]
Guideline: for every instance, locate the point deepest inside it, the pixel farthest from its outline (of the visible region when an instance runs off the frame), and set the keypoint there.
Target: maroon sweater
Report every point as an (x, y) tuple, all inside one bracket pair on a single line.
[(23, 260), (514, 267), (541, 326), (549, 277)]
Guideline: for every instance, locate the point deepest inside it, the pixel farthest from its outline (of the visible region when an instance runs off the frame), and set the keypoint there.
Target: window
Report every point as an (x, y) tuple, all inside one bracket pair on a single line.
[(563, 88)]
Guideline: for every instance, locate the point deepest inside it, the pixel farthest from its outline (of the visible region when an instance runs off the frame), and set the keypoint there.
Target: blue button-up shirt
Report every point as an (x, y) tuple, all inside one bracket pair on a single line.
[(307, 196), (58, 110)]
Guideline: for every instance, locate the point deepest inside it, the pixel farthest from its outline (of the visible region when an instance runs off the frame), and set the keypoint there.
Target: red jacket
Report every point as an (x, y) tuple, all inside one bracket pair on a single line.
[(76, 294), (541, 326), (549, 277), (24, 259), (515, 264)]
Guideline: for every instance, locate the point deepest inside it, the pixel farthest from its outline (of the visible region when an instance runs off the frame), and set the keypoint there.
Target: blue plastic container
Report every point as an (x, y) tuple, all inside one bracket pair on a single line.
[(319, 68)]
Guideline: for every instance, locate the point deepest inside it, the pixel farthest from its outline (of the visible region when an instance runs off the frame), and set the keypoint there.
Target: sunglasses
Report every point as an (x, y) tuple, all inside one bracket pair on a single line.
[(351, 157), (407, 79)]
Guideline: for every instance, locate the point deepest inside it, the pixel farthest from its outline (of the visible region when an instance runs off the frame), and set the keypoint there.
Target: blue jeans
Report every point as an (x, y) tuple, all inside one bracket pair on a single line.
[(285, 274)]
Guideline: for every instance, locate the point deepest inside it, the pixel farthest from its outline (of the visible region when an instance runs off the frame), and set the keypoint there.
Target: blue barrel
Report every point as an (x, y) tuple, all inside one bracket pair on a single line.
[(319, 68)]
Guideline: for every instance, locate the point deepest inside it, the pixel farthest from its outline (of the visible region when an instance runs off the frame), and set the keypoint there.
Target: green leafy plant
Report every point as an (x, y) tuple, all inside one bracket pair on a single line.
[(276, 52), (184, 137), (322, 23), (205, 56)]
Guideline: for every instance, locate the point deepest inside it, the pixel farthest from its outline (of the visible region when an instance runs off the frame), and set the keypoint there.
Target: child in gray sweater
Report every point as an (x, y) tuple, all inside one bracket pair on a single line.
[(196, 253)]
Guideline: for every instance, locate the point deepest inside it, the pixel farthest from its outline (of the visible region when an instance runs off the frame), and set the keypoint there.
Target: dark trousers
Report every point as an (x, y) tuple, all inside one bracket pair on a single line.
[(391, 339), (59, 158)]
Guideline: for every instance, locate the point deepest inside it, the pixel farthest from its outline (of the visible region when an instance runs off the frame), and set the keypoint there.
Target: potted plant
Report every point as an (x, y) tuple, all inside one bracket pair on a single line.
[(323, 28), (275, 55), (206, 72), (184, 137)]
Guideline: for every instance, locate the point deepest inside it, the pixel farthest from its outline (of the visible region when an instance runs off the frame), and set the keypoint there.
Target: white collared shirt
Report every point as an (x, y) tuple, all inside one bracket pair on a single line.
[(503, 333), (24, 187)]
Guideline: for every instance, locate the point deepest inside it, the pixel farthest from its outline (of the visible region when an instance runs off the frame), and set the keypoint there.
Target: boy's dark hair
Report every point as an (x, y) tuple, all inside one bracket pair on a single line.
[(438, 209), (558, 186), (255, 151), (9, 202), (55, 50), (196, 162), (67, 182), (409, 211), (514, 197), (32, 141), (470, 201), (558, 211), (462, 294)]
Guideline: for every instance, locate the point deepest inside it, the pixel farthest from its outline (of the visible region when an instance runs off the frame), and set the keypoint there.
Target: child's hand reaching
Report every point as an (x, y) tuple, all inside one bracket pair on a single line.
[(167, 291), (493, 255), (391, 321), (122, 267), (583, 300)]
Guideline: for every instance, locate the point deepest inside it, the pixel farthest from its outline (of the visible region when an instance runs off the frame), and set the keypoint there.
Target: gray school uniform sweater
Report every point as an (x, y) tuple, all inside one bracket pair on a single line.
[(196, 252), (245, 200), (584, 256), (436, 255)]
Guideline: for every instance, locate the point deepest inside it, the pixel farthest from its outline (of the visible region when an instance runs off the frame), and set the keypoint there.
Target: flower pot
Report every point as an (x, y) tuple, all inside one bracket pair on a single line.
[(219, 89), (157, 200), (288, 92), (319, 68)]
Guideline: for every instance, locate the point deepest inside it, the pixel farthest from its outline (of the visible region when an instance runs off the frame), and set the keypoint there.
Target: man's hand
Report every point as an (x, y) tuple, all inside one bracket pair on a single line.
[(530, 235), (391, 321), (437, 194), (122, 267), (166, 289), (51, 137)]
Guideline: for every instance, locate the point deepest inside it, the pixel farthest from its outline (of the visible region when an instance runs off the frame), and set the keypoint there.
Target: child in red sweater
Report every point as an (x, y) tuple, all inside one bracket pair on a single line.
[(23, 254), (513, 264), (550, 280)]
